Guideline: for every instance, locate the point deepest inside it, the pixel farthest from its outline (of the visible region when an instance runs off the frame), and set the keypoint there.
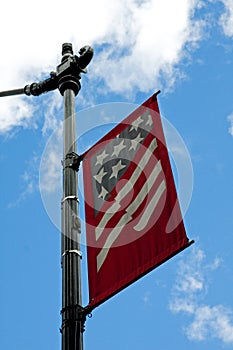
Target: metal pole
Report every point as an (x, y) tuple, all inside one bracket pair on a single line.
[(72, 314), (66, 79)]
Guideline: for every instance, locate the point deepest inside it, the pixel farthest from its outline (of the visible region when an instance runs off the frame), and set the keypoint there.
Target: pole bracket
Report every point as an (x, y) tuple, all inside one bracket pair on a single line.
[(72, 160), (73, 314)]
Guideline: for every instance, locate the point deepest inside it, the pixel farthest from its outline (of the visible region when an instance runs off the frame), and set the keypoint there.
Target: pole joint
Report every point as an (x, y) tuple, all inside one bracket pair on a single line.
[(71, 66)]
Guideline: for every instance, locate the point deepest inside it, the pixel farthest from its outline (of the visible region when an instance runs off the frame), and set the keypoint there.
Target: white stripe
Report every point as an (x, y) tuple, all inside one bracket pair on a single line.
[(126, 189), (127, 217), (145, 189), (150, 208), (111, 239)]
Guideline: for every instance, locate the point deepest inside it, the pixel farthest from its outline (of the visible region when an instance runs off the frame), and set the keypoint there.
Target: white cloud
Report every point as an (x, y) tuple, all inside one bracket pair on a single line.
[(152, 43), (50, 167), (215, 322), (51, 173), (138, 46), (15, 111), (137, 43), (147, 299), (190, 282), (53, 113), (226, 19), (28, 182), (230, 119), (188, 296)]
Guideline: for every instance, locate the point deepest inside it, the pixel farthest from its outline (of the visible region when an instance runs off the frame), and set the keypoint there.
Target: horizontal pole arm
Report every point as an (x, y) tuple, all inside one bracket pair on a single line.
[(12, 92)]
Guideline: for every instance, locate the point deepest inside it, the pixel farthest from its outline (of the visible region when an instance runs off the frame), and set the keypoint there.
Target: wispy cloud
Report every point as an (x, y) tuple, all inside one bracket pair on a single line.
[(230, 119), (53, 113), (214, 322), (188, 297), (15, 112), (146, 299), (226, 19), (28, 182), (50, 167)]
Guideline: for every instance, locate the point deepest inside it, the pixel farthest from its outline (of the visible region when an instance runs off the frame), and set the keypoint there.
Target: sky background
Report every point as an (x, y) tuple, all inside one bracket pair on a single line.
[(185, 49)]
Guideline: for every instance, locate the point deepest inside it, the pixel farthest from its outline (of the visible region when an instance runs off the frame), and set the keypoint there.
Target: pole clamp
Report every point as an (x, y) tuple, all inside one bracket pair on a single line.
[(73, 251), (73, 314), (72, 197), (72, 160)]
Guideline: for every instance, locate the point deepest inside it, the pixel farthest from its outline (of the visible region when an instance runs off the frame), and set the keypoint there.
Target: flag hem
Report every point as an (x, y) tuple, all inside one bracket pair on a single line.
[(91, 306)]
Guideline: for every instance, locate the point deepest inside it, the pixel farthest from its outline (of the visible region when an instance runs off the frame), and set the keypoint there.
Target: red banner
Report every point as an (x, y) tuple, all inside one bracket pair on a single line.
[(133, 219)]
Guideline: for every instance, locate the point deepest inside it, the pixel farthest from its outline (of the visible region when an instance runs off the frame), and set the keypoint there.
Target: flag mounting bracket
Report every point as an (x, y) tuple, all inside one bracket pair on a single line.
[(74, 314), (72, 160)]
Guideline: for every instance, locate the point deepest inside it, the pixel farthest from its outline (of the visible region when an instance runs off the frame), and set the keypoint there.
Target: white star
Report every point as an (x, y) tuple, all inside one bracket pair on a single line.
[(100, 158), (118, 149), (116, 168), (99, 177), (103, 193), (135, 142), (149, 120), (136, 123)]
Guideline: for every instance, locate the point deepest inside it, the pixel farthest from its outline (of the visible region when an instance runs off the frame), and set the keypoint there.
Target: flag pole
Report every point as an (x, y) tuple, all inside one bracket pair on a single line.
[(73, 316)]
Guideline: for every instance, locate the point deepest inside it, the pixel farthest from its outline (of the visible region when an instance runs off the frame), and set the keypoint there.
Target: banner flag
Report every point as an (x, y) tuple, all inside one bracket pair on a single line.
[(133, 218)]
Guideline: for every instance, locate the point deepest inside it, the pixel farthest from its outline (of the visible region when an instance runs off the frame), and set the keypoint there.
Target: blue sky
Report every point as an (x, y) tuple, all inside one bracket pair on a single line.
[(183, 48)]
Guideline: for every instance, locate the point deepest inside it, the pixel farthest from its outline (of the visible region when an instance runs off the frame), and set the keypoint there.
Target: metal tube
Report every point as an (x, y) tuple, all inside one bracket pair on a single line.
[(12, 92), (71, 266)]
